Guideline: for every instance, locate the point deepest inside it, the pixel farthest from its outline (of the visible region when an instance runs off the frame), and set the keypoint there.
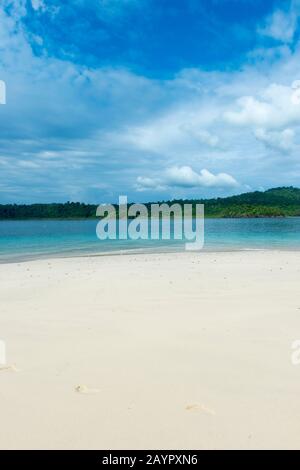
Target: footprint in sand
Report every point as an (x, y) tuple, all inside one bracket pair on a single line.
[(195, 407), (11, 368), (85, 389)]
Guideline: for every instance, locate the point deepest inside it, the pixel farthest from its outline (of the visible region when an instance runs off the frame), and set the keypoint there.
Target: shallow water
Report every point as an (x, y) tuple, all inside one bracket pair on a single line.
[(46, 238)]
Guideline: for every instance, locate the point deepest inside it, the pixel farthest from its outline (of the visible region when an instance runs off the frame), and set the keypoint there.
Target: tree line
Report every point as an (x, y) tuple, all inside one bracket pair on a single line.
[(276, 202)]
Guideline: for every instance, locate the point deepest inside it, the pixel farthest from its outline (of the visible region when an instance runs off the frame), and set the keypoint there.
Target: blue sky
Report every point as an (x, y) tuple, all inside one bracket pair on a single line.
[(151, 98)]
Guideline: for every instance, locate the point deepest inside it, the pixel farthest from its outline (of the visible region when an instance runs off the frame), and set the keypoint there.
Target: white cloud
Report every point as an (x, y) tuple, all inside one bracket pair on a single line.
[(278, 140), (282, 25), (203, 136), (146, 184), (275, 106), (38, 4), (186, 177), (181, 127), (114, 125)]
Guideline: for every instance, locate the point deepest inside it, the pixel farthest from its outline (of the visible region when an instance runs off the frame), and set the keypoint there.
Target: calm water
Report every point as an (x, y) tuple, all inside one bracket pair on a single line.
[(32, 239)]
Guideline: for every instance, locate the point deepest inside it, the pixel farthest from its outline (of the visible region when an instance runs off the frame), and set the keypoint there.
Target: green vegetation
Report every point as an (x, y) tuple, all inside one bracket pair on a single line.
[(278, 202), (69, 210)]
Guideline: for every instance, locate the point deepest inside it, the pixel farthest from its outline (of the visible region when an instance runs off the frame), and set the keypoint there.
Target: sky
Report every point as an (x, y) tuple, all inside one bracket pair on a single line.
[(153, 99)]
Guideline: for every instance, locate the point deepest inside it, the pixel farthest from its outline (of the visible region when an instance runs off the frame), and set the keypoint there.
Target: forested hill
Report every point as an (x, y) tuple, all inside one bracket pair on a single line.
[(277, 202)]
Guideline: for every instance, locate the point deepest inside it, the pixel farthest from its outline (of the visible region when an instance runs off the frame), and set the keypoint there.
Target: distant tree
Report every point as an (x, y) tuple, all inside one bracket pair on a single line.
[(276, 202)]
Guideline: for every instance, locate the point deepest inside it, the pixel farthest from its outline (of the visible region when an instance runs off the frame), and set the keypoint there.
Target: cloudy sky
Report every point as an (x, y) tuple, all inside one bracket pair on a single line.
[(151, 98)]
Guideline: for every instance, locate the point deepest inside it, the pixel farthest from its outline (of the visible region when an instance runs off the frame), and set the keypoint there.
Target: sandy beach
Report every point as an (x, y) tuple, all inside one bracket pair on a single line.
[(153, 351)]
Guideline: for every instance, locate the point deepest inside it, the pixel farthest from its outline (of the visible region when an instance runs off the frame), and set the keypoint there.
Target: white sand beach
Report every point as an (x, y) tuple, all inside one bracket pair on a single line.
[(153, 351)]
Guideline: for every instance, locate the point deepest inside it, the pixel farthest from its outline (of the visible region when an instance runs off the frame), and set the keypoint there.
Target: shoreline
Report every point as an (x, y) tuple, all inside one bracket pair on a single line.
[(142, 251)]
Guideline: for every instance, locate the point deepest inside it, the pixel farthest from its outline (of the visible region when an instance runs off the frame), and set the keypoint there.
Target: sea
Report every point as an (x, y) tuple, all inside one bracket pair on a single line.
[(33, 239)]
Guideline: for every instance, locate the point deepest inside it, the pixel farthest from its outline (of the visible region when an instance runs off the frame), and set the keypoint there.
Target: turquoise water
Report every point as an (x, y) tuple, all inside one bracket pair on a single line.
[(36, 239)]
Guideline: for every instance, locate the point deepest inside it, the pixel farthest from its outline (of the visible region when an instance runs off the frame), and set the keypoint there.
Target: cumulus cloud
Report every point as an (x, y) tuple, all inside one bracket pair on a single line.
[(71, 131), (147, 184), (281, 25), (275, 106), (181, 127), (186, 177), (205, 137), (278, 140)]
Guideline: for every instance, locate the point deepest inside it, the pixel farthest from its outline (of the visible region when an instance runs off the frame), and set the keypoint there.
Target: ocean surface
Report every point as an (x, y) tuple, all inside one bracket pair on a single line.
[(20, 240)]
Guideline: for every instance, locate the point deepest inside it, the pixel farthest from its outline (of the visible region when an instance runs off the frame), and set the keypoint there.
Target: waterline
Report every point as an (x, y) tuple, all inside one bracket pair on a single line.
[(21, 240)]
